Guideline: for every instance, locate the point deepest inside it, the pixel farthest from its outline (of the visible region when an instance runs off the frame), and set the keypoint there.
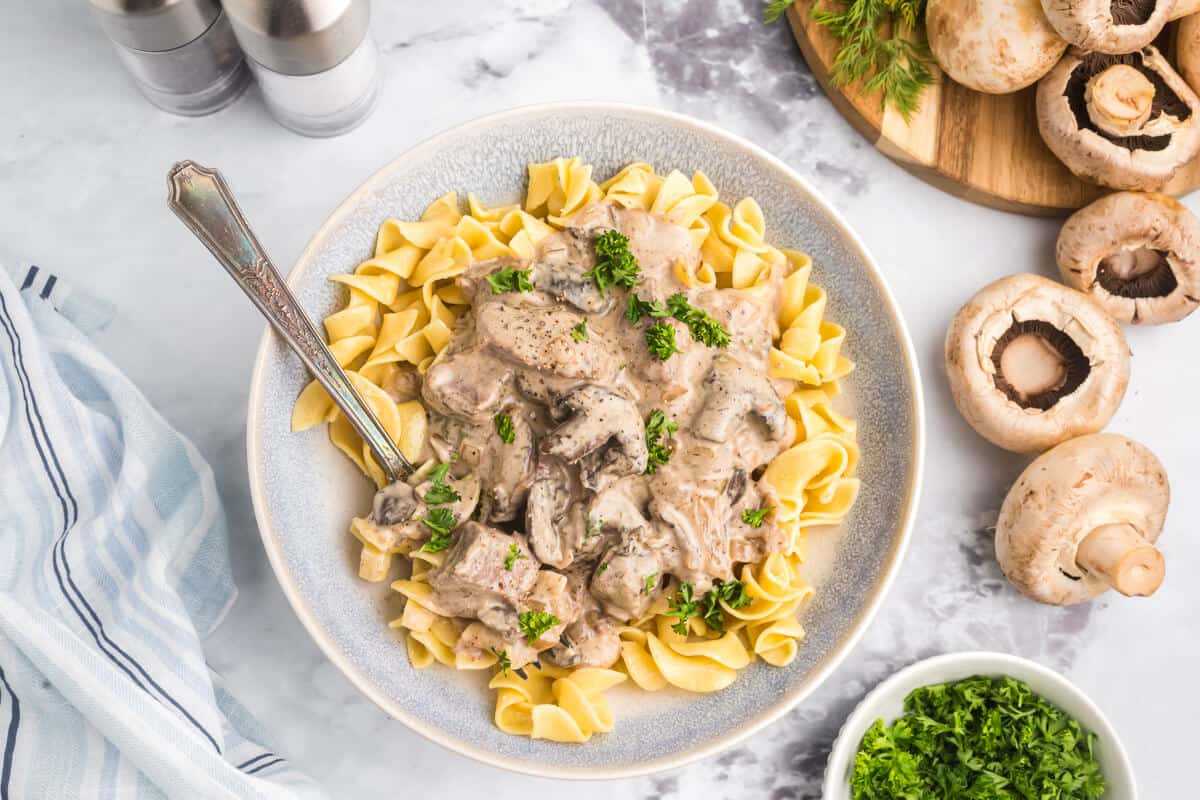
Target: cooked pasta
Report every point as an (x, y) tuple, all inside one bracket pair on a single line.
[(402, 307)]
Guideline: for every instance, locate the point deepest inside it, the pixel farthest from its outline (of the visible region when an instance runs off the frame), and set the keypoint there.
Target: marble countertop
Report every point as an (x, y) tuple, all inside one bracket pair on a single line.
[(82, 165)]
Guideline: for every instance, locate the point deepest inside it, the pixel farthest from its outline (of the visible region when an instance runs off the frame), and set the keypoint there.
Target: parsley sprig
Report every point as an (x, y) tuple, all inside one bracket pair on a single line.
[(658, 427), (754, 516), (875, 45), (440, 492), (504, 428), (734, 595), (593, 526), (580, 332), (637, 308), (514, 555), (660, 340), (649, 582), (502, 661), (510, 280), (615, 265), (684, 605), (985, 738), (700, 324), (535, 623), (441, 522)]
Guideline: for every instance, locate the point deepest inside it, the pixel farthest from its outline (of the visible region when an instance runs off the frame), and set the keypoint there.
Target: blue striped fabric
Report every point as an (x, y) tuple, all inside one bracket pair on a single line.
[(113, 568)]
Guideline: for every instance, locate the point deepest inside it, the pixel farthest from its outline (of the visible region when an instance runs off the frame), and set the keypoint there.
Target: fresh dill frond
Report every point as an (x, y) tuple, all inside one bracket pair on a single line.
[(876, 47), (775, 9)]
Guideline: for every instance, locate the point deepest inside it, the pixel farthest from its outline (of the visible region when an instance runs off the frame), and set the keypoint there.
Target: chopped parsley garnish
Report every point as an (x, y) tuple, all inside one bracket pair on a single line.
[(440, 492), (660, 340), (603, 566), (504, 428), (638, 308), (514, 555), (440, 522), (734, 595), (658, 426), (580, 332), (754, 516), (649, 583), (615, 265), (592, 527), (510, 280), (700, 324), (991, 738), (534, 623), (684, 607), (502, 661), (732, 592)]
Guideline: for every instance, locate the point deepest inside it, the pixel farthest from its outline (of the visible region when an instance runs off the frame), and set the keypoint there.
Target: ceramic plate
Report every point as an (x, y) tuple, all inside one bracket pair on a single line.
[(305, 491)]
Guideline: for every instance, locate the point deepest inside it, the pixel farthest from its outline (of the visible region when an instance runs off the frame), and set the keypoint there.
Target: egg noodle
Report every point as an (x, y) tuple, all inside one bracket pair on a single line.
[(402, 307)]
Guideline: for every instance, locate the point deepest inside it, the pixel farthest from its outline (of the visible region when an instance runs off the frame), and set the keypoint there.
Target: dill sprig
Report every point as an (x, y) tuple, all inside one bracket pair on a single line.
[(876, 47)]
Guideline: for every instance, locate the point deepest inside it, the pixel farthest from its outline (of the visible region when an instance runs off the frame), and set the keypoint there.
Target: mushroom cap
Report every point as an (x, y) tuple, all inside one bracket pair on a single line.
[(1065, 494), (1136, 254), (1084, 344), (992, 46), (1167, 139), (1108, 26), (1187, 49)]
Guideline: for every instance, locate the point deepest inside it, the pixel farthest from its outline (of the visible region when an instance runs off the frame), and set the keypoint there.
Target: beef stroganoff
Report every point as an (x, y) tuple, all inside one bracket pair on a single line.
[(620, 397)]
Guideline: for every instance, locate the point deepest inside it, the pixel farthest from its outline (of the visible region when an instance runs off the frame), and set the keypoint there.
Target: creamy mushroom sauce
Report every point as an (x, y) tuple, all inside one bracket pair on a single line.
[(598, 536)]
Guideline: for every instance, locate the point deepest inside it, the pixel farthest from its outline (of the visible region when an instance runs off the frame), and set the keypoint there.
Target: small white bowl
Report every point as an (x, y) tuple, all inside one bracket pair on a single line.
[(886, 702)]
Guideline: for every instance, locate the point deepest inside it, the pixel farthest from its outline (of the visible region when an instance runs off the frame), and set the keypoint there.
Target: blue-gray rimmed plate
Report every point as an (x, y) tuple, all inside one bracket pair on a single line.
[(305, 491)]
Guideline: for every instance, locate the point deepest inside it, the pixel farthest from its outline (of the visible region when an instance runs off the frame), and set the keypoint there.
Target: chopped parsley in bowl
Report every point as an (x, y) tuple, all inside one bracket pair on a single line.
[(980, 738), (978, 726)]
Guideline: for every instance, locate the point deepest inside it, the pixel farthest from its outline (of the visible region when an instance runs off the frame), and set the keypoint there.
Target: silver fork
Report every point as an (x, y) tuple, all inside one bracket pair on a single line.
[(200, 197)]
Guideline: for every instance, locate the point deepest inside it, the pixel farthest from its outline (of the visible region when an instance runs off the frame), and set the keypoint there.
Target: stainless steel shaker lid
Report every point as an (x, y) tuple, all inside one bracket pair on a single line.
[(299, 37), (155, 25)]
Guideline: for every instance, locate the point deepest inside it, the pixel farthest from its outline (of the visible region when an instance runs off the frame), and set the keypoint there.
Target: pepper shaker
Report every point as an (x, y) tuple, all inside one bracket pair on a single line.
[(315, 60), (182, 54)]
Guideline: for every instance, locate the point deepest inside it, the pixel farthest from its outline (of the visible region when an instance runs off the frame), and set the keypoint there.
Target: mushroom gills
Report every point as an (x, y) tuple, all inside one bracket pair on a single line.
[(1142, 272), (1131, 12), (1036, 364), (1165, 101)]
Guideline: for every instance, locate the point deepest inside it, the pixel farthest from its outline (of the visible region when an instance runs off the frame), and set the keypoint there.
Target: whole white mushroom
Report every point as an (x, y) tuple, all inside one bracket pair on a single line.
[(992, 46)]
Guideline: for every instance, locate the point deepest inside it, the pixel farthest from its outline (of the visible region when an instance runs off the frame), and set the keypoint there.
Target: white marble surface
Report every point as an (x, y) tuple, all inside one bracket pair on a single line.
[(82, 165)]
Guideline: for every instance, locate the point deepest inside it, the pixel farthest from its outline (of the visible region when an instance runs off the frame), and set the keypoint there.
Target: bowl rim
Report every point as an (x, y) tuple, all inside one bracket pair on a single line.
[(916, 674), (818, 675)]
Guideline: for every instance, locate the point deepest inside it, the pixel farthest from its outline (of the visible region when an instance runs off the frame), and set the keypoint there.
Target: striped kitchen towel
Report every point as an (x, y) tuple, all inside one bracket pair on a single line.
[(113, 568)]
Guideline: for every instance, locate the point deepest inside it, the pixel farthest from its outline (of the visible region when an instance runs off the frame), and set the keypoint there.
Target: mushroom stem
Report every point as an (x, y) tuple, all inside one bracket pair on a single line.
[(1120, 554)]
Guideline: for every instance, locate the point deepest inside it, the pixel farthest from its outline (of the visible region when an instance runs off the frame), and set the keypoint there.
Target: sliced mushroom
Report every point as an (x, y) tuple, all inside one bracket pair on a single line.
[(1125, 121), (1136, 254), (732, 393), (992, 46), (1084, 517), (555, 525), (561, 267), (1108, 26), (1032, 363), (604, 423)]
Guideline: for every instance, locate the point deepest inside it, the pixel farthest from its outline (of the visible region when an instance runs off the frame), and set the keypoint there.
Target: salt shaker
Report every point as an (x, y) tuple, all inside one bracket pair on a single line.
[(315, 60), (181, 53)]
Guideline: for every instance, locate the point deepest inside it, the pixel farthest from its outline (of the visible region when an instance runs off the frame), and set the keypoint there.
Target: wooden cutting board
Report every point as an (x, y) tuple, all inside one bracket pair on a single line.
[(981, 147)]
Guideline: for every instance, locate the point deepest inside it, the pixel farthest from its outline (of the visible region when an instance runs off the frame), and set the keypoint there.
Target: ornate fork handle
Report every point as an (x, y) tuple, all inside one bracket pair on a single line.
[(200, 197)]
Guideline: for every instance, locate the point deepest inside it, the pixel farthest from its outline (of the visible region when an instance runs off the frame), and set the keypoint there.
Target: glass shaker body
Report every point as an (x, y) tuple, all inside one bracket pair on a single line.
[(326, 103)]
